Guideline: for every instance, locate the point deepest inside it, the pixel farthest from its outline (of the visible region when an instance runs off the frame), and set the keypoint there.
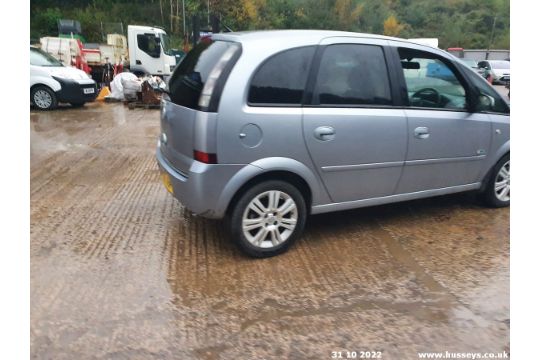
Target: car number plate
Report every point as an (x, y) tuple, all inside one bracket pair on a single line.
[(88, 90), (167, 182)]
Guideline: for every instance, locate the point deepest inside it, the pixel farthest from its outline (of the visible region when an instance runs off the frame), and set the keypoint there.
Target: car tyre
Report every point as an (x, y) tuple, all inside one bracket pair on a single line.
[(267, 218), (43, 98), (496, 192)]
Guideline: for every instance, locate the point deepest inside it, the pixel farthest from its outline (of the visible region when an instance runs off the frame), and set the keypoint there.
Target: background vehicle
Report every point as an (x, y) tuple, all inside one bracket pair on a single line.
[(146, 50), (473, 64), (150, 51), (263, 131), (69, 51), (499, 70), (51, 82)]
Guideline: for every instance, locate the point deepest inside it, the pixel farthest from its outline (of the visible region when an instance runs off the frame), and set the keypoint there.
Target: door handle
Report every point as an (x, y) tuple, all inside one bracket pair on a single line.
[(324, 133), (421, 132)]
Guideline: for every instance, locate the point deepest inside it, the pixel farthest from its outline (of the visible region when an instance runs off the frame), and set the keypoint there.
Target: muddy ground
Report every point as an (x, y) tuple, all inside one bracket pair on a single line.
[(120, 270)]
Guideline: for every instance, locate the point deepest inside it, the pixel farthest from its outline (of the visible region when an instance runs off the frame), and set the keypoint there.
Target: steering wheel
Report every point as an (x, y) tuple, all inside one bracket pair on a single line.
[(428, 97)]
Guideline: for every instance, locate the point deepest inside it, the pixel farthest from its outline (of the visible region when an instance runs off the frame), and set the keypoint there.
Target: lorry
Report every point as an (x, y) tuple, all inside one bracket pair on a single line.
[(146, 50), (150, 51)]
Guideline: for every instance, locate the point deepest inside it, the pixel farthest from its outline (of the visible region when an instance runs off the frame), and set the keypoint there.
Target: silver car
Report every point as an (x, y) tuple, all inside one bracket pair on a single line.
[(265, 128)]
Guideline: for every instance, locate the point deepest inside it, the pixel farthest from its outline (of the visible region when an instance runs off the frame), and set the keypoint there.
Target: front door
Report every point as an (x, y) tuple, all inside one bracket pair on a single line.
[(356, 139), (447, 144)]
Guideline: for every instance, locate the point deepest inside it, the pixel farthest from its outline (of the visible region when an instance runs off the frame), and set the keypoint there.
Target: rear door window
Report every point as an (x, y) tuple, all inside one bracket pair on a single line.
[(352, 74), (190, 75), (282, 78)]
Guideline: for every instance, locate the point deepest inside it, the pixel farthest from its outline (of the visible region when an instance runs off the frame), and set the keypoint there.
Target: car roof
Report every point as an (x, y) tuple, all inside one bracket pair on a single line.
[(261, 35), (278, 38)]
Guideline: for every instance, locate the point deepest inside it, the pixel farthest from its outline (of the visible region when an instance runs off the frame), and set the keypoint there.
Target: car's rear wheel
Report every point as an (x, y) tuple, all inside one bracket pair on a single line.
[(268, 218), (497, 190), (43, 98)]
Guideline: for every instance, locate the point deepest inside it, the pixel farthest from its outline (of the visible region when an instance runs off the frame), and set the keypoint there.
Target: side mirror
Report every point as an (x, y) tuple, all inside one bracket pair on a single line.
[(484, 102)]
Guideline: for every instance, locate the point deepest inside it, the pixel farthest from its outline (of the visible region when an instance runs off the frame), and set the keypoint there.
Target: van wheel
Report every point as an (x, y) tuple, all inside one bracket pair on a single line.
[(497, 190), (268, 218), (43, 98)]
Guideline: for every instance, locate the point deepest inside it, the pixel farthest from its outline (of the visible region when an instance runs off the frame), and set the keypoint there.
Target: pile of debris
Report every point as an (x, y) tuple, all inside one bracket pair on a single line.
[(136, 92)]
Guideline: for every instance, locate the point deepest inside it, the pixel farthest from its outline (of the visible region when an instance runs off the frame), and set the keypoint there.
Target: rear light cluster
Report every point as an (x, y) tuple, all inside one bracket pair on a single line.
[(205, 157)]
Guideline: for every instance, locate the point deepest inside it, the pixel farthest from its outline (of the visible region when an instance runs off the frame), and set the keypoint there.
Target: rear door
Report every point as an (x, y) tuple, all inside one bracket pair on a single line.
[(181, 113), (354, 133)]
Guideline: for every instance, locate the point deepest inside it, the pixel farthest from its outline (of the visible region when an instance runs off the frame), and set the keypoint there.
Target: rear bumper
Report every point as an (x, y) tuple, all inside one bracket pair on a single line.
[(76, 92), (206, 189)]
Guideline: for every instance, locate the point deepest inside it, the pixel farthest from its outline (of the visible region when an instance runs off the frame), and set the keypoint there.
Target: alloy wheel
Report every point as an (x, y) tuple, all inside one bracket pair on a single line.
[(502, 183), (269, 219), (43, 99)]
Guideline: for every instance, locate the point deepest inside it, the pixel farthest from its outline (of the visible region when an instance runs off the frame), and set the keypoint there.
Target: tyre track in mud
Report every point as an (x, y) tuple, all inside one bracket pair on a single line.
[(121, 270)]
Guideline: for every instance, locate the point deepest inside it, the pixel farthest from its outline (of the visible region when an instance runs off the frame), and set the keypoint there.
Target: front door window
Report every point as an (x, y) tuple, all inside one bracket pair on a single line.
[(431, 83)]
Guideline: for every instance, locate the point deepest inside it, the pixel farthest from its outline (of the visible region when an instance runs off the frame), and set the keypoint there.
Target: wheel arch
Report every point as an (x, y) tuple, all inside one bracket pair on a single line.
[(47, 81), (289, 170), (501, 152), (286, 176)]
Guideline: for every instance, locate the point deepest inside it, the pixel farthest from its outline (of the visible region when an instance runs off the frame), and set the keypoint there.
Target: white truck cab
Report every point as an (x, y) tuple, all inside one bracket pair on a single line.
[(150, 51)]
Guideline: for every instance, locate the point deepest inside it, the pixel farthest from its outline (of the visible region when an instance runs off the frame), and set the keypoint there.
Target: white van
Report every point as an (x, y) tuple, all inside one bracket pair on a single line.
[(51, 82)]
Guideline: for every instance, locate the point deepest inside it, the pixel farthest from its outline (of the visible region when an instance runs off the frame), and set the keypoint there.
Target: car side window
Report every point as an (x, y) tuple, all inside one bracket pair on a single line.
[(431, 83), (149, 44), (488, 98), (352, 74), (281, 79)]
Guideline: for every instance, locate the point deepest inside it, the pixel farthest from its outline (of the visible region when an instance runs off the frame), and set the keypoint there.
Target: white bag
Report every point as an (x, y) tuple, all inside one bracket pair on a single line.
[(125, 86)]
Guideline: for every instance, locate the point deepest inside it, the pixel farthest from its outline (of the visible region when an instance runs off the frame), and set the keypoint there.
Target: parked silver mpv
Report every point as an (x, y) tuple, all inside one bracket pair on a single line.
[(264, 128)]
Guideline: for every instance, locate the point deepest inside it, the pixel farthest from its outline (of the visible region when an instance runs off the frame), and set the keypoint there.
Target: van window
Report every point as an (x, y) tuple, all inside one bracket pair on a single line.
[(351, 74), (281, 79), (41, 58), (431, 83), (190, 75), (149, 43)]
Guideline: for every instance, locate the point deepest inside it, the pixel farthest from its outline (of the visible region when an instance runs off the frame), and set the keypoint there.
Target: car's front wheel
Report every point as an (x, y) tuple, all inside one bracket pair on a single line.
[(268, 218), (497, 190), (43, 98)]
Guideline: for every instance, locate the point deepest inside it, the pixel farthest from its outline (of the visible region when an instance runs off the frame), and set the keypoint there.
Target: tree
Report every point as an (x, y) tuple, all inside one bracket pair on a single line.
[(465, 23), (391, 26)]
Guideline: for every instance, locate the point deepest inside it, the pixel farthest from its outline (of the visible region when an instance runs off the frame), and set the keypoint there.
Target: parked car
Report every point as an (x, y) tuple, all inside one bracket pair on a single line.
[(499, 70), (51, 82), (264, 132), (474, 65)]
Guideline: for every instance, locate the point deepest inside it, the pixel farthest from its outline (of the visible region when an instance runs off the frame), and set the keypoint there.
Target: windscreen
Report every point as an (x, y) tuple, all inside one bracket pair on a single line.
[(166, 44), (41, 58), (190, 75)]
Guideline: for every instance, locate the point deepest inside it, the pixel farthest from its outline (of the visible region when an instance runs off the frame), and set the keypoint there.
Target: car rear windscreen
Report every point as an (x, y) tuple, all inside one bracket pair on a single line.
[(189, 77)]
